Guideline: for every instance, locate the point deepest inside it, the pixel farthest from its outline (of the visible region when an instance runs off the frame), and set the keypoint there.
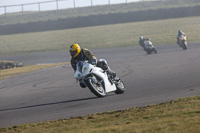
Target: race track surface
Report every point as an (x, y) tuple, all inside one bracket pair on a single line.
[(53, 93)]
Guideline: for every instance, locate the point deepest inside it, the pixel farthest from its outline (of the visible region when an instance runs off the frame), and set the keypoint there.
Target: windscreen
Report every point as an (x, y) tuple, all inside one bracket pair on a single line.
[(79, 66)]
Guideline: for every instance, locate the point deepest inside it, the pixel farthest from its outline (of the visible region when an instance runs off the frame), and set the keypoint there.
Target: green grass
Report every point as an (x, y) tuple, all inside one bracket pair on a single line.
[(126, 34), (178, 116), (87, 11)]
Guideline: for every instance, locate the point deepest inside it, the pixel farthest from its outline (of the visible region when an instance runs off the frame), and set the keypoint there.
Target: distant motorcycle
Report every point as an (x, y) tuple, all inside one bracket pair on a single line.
[(183, 41), (148, 46), (97, 80)]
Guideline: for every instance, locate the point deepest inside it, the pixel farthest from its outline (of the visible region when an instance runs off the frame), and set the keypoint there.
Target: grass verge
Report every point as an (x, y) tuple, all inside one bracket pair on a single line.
[(126, 34), (177, 116), (6, 73), (26, 17)]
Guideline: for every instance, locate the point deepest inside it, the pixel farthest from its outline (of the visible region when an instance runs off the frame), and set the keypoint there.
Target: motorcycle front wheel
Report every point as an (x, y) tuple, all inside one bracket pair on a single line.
[(155, 51), (95, 86), (184, 45), (148, 52)]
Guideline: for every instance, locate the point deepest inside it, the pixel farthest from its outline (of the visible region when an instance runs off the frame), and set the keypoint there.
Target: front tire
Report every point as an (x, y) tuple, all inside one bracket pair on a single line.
[(155, 51), (148, 51), (95, 86), (184, 45)]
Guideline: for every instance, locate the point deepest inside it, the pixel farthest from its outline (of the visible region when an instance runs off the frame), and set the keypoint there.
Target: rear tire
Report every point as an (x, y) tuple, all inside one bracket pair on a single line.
[(120, 87), (95, 86)]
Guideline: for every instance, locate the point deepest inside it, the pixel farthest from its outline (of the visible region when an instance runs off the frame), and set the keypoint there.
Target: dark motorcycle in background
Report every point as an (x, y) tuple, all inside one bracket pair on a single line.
[(148, 46)]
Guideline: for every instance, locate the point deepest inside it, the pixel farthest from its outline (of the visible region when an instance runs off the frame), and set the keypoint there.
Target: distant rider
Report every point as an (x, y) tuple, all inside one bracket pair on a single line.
[(180, 32), (141, 41), (79, 54)]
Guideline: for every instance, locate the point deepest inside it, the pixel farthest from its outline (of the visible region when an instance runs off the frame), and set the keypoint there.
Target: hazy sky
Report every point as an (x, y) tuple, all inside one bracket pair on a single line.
[(81, 2), (51, 6)]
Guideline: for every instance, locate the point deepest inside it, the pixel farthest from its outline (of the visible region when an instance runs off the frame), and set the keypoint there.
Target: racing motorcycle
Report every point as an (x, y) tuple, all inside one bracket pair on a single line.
[(148, 46), (183, 41), (97, 80)]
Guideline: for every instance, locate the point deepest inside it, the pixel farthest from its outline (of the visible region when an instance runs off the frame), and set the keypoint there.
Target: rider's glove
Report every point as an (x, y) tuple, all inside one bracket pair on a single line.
[(94, 61)]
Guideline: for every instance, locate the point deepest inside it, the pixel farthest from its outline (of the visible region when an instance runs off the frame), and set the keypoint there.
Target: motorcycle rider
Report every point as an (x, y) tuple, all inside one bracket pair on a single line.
[(180, 32), (141, 41), (79, 54)]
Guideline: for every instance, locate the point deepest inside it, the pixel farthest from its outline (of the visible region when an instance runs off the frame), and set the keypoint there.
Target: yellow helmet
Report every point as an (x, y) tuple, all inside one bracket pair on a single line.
[(74, 50)]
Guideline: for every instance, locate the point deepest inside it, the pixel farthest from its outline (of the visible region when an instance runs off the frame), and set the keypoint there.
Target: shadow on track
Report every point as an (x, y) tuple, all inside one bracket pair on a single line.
[(46, 104)]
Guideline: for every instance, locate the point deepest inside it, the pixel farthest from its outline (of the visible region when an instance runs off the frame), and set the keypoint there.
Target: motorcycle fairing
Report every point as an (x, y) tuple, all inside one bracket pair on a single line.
[(108, 86), (86, 68), (182, 38)]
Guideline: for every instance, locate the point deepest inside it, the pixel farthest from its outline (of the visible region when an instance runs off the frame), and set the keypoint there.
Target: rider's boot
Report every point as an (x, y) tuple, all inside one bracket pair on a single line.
[(111, 72), (178, 43)]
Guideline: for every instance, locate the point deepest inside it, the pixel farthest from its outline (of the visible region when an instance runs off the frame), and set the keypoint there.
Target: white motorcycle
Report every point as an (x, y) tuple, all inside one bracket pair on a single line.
[(97, 80)]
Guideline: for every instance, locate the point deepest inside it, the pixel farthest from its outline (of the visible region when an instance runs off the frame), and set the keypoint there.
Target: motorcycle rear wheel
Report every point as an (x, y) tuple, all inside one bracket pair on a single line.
[(95, 87), (120, 87)]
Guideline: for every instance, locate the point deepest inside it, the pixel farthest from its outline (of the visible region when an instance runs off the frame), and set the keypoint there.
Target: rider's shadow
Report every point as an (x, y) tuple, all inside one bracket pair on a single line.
[(53, 103)]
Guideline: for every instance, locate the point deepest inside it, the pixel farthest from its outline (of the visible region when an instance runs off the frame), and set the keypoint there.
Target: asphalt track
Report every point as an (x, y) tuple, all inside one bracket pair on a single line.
[(53, 93)]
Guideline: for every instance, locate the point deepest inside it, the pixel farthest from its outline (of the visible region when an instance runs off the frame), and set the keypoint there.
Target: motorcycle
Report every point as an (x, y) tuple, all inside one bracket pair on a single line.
[(97, 79), (148, 46), (183, 41)]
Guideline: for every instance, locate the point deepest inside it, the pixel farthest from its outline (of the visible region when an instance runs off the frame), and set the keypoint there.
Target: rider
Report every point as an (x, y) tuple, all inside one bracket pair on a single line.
[(141, 41), (180, 32), (79, 54)]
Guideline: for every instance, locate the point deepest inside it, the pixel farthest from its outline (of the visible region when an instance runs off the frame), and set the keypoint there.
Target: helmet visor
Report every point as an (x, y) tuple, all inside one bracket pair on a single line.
[(73, 52)]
